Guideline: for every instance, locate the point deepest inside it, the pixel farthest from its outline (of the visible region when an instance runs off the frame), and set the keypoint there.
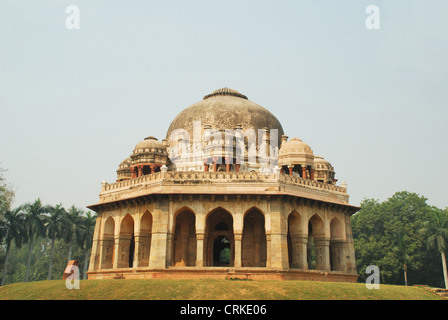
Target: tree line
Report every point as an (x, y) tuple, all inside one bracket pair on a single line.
[(404, 237), (35, 230)]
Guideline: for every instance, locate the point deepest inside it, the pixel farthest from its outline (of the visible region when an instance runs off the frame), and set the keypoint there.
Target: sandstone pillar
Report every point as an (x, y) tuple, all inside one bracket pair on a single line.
[(106, 253), (95, 253), (338, 255), (199, 249), (322, 254), (299, 251), (161, 240), (350, 262), (121, 258), (268, 250), (238, 240), (142, 249), (304, 172)]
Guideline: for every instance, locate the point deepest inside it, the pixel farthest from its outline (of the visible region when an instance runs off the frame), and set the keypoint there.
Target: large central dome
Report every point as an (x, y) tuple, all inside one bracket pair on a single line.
[(225, 109)]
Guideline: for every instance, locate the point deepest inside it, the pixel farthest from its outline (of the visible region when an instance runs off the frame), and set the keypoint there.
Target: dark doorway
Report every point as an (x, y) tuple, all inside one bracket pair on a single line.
[(131, 252), (221, 252)]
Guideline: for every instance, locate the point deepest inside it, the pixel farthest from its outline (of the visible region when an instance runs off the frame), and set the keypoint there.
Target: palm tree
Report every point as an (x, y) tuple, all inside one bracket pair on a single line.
[(34, 223), (71, 227), (401, 250), (54, 230), (437, 231), (86, 237), (11, 226)]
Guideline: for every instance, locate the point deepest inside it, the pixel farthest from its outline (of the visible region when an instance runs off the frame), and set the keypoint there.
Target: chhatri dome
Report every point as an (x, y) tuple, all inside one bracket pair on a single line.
[(240, 202)]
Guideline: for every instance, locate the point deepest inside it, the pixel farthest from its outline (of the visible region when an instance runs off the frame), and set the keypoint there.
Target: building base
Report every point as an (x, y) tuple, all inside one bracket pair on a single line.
[(222, 273)]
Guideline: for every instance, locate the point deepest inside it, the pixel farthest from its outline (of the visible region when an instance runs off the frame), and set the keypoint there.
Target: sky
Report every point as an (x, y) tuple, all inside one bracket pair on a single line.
[(75, 102)]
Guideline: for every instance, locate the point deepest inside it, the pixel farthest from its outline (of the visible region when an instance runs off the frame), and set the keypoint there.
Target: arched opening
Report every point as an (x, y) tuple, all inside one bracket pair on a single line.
[(253, 246), (296, 251), (220, 249), (143, 241), (126, 243), (184, 240), (315, 231), (108, 244), (337, 245)]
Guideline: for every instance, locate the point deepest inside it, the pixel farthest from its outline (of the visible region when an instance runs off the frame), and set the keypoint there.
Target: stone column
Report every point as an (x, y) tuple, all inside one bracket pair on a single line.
[(338, 255), (322, 247), (106, 253), (199, 249), (279, 235), (142, 249), (350, 262), (238, 240), (290, 167), (95, 253), (161, 239), (268, 250), (303, 172), (299, 251), (312, 174), (140, 170), (121, 258)]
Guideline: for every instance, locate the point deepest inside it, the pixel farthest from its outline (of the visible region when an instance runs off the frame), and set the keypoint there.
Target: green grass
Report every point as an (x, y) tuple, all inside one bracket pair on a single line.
[(205, 289)]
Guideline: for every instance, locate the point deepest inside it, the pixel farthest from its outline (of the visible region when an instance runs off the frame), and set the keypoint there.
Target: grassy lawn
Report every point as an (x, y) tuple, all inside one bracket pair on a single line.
[(205, 289)]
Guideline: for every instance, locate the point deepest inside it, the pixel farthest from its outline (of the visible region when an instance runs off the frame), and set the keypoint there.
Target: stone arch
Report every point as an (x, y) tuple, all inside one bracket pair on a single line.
[(143, 240), (184, 238), (253, 246), (108, 245), (337, 245), (336, 229), (316, 226), (297, 241), (126, 243), (220, 244), (316, 231)]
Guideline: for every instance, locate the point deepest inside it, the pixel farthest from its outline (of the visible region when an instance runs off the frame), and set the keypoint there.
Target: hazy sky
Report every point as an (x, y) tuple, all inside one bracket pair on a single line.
[(74, 103)]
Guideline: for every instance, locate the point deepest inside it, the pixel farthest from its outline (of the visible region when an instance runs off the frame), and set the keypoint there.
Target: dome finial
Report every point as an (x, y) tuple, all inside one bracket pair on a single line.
[(225, 92)]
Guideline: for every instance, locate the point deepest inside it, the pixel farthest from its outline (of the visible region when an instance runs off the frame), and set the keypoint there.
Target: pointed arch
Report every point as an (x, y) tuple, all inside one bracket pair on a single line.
[(184, 238), (109, 228), (126, 247), (336, 229), (220, 247), (143, 240), (253, 246), (108, 244), (316, 226), (316, 229), (146, 222), (127, 225), (337, 245), (295, 240)]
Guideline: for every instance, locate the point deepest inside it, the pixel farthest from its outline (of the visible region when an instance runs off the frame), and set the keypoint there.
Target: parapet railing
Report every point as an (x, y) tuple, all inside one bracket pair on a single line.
[(186, 176)]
